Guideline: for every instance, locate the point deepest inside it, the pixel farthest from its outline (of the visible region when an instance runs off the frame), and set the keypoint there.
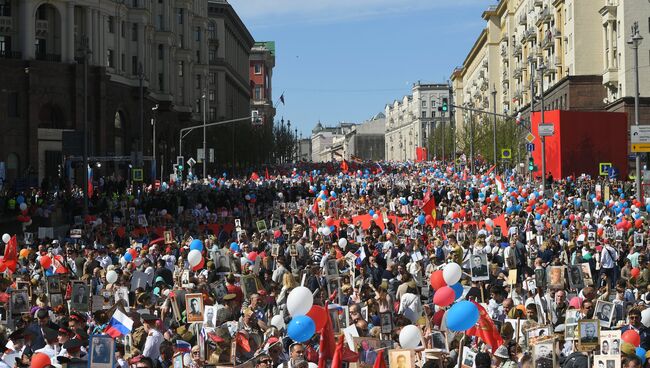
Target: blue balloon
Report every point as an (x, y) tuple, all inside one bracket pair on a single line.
[(234, 247), (549, 203), (371, 212), (333, 194), (301, 328), (196, 244), (538, 217), (647, 208), (128, 257), (20, 199), (565, 223), (458, 290), (49, 271), (462, 316), (640, 352), (332, 228), (421, 219), (403, 201)]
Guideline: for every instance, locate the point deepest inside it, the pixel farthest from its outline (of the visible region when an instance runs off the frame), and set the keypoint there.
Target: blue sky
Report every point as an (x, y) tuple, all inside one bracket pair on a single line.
[(343, 60)]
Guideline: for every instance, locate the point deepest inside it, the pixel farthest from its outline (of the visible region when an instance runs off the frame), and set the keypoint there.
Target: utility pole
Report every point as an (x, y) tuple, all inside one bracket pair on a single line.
[(634, 41), (141, 79), (205, 153), (541, 69), (86, 53), (494, 123), (531, 59), (471, 142), (452, 124)]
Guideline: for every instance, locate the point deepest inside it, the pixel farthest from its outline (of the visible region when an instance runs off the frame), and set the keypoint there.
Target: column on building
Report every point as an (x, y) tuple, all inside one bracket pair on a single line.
[(166, 62), (94, 28), (67, 33), (27, 29), (101, 28)]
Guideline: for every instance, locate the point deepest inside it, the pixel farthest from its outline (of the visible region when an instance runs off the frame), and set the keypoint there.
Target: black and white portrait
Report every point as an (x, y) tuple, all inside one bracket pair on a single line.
[(588, 331), (80, 295), (479, 267), (122, 293), (332, 267), (101, 351), (53, 284), (575, 277), (604, 312), (543, 354), (210, 317), (56, 299), (19, 302), (194, 307), (438, 340), (386, 323)]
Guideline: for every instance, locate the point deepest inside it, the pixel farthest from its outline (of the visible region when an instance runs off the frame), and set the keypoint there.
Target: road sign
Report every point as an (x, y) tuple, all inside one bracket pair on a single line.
[(640, 134), (137, 175), (640, 147), (530, 147), (191, 162), (545, 130), (506, 153), (603, 168), (530, 138)]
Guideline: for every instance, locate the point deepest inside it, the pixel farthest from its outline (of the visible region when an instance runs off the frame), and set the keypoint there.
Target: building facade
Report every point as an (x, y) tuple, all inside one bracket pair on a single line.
[(262, 62), (577, 47), (164, 46), (410, 122), (327, 142)]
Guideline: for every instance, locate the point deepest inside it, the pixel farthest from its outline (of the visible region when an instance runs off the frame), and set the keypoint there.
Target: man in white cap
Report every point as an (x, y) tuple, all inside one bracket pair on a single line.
[(502, 358)]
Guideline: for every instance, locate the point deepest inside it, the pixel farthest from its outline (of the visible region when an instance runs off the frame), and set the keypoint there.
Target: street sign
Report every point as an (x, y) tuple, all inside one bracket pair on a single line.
[(530, 138), (640, 134), (640, 147), (530, 147), (603, 168), (137, 175), (506, 153), (199, 154), (545, 130), (191, 162)]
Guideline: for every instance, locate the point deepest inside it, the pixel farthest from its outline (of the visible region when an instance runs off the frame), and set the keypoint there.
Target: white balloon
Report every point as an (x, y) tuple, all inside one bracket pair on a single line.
[(489, 222), (343, 242), (194, 257), (375, 216), (23, 206), (410, 337), (326, 231), (645, 317), (111, 276), (300, 301), (278, 322), (6, 238), (451, 273)]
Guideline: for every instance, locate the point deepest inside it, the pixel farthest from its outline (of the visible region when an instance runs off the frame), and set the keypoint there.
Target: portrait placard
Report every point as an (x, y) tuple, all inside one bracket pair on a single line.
[(401, 358), (607, 361), (555, 277), (80, 296), (194, 307), (543, 356), (588, 332), (610, 342), (604, 312), (576, 281), (102, 349), (479, 267)]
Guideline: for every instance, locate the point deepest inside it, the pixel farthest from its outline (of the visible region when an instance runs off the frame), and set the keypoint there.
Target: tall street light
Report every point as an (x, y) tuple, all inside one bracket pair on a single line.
[(635, 41), (494, 123), (205, 153), (541, 69)]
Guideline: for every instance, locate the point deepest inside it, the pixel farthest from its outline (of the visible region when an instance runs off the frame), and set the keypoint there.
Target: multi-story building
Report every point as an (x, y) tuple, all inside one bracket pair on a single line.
[(410, 122), (327, 142), (577, 46), (304, 150), (262, 62), (161, 45)]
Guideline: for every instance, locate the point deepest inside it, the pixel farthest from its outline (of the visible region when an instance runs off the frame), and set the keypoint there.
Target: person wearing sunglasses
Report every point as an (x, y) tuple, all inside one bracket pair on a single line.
[(264, 361), (634, 316)]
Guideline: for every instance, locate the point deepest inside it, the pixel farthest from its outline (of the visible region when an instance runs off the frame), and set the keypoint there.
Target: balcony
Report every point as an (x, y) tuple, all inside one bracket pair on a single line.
[(505, 74), (539, 2), (518, 71), (48, 57), (557, 61), (530, 34), (11, 54), (610, 76), (41, 27), (548, 42), (504, 51), (546, 15), (6, 24), (516, 49), (523, 18), (556, 32)]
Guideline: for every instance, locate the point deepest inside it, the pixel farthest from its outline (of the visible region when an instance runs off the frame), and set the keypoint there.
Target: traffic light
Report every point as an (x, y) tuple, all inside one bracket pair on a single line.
[(445, 106), (531, 164)]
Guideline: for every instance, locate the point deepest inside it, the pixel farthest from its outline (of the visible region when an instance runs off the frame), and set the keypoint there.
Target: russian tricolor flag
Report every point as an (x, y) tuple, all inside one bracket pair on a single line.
[(183, 346), (120, 324)]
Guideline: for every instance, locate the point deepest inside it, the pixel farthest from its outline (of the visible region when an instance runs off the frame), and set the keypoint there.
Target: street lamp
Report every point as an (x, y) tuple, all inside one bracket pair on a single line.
[(494, 123), (635, 41), (153, 146), (205, 153), (541, 69), (141, 79)]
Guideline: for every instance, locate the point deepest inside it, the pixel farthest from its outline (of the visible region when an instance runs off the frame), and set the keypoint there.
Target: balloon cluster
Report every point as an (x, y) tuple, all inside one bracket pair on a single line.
[(633, 337), (195, 256), (446, 282), (300, 303)]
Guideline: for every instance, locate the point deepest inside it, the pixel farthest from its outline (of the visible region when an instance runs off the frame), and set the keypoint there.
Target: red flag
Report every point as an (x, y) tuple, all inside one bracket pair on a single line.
[(242, 342), (11, 254), (327, 340), (254, 176), (379, 361), (344, 166), (337, 360), (485, 330), (501, 222), (429, 209), (314, 208), (490, 170), (266, 174)]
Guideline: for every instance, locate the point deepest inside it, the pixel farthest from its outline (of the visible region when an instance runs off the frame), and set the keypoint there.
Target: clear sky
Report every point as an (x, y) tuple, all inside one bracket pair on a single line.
[(344, 60)]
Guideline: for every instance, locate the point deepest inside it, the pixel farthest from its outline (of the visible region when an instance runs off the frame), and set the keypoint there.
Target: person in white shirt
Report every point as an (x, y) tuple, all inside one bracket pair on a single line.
[(51, 347), (154, 338), (608, 258), (410, 306)]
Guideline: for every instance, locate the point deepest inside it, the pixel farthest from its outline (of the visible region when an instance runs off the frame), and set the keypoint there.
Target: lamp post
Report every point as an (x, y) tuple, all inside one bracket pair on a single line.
[(205, 153), (86, 53), (141, 79), (541, 69), (153, 143), (494, 124), (635, 41)]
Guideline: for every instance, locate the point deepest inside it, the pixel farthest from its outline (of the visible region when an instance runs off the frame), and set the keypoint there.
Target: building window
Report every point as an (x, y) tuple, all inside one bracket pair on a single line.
[(161, 52), (123, 29), (159, 22), (211, 95), (5, 8), (258, 68), (424, 113), (212, 53), (111, 25), (161, 81), (179, 16), (123, 62), (213, 78), (197, 34), (5, 45), (198, 81), (134, 65), (181, 66), (198, 56), (12, 104), (213, 114), (134, 32), (424, 103), (109, 58), (212, 31), (258, 93)]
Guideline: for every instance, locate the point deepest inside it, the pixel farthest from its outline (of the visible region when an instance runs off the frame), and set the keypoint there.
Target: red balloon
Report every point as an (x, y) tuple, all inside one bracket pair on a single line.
[(329, 221), (319, 315), (40, 360), (133, 252), (600, 231), (444, 296), (635, 272), (428, 219), (277, 233), (252, 256), (631, 337), (200, 265), (46, 262), (638, 223), (572, 217), (437, 280)]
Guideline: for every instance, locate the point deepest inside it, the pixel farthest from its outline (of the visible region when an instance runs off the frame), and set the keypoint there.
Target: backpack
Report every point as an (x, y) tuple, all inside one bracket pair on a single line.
[(575, 360)]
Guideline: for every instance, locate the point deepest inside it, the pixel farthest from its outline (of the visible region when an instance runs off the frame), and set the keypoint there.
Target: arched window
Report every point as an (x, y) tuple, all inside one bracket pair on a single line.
[(12, 161), (118, 138), (212, 30)]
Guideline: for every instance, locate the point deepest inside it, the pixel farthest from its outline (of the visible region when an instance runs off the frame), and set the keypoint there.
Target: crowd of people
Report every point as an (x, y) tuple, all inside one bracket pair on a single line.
[(329, 265)]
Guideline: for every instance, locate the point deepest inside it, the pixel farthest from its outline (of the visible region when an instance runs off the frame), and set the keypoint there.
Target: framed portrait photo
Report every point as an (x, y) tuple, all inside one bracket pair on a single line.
[(53, 284), (386, 322), (604, 312), (576, 281), (178, 360), (367, 348), (401, 358), (555, 277), (248, 284), (586, 274), (638, 239), (194, 307), (538, 333), (543, 356), (479, 267), (19, 302), (588, 332), (102, 348), (439, 341), (210, 316), (607, 361), (332, 268), (56, 300), (80, 296), (610, 342)]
